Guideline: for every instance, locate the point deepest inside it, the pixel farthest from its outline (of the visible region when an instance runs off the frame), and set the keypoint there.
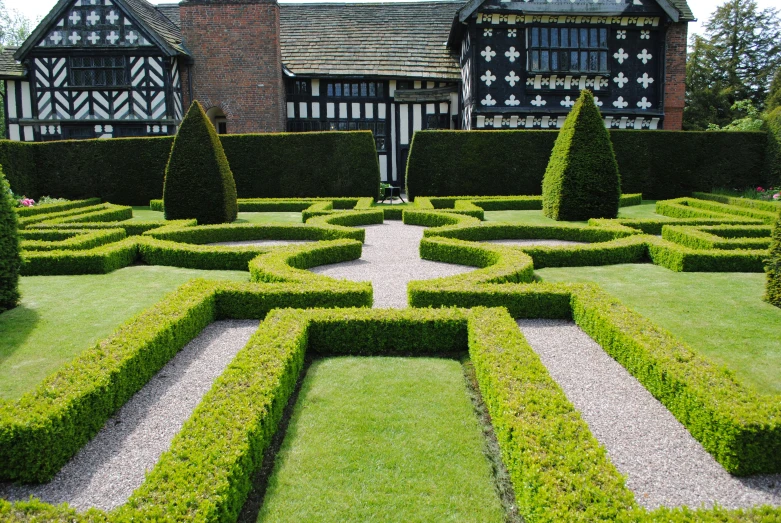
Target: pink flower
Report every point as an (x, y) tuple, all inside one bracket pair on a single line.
[(28, 202), (777, 196), (760, 189)]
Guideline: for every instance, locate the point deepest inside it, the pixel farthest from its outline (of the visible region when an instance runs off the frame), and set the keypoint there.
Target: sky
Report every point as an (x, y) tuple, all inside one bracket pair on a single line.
[(36, 9)]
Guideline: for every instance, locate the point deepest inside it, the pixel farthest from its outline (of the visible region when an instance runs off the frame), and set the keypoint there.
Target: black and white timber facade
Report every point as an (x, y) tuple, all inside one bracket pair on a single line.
[(113, 68)]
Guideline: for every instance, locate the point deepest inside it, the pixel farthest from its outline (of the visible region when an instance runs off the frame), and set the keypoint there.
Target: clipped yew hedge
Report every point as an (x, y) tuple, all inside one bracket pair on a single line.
[(9, 250), (198, 180), (130, 171), (582, 180), (659, 164)]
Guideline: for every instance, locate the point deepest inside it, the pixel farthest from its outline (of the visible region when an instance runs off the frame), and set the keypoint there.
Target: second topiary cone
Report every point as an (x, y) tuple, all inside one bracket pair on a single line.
[(198, 180), (582, 179)]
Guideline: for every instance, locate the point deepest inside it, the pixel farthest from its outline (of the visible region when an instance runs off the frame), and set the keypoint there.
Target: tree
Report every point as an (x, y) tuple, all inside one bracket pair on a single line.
[(707, 100), (774, 94), (10, 260), (14, 26), (735, 61), (198, 180), (582, 179)]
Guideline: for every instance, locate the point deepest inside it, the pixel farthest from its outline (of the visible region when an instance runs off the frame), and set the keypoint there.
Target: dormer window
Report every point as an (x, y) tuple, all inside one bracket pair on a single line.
[(98, 71), (567, 49)]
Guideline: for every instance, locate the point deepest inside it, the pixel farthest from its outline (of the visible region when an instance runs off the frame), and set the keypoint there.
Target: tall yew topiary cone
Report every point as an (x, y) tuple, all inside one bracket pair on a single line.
[(198, 180), (773, 267), (582, 179), (10, 260)]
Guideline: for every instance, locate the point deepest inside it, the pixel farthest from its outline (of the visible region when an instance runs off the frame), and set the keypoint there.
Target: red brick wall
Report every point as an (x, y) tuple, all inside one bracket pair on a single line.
[(237, 61), (675, 76)]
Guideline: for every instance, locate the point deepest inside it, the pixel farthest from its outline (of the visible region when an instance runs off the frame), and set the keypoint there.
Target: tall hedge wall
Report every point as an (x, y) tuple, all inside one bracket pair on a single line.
[(130, 171), (659, 164)]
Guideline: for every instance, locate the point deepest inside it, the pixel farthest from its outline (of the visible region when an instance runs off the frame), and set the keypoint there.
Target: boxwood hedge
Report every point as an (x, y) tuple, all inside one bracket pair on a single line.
[(736, 425), (554, 461), (773, 267)]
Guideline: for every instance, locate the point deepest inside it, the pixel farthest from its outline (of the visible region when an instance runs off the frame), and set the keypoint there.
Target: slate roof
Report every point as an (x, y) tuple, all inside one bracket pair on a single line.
[(158, 22), (683, 7), (398, 39), (171, 11), (9, 68)]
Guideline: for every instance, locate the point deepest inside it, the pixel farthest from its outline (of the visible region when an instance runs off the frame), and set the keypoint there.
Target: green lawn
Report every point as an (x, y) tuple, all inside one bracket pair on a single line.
[(646, 210), (526, 217), (62, 315), (382, 439), (146, 214), (722, 315)]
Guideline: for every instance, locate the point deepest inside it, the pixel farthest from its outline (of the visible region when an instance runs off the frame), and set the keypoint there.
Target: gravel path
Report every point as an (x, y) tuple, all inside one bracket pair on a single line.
[(663, 463), (269, 243), (390, 259), (110, 467), (537, 243)]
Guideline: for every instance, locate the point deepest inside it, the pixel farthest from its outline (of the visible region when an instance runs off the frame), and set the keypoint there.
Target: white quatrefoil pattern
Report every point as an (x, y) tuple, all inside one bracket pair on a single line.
[(488, 53), (488, 78)]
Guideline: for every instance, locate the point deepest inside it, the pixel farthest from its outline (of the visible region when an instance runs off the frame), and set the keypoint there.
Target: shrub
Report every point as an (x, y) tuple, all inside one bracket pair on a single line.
[(9, 250), (329, 164), (773, 267), (198, 180), (659, 164), (582, 179)]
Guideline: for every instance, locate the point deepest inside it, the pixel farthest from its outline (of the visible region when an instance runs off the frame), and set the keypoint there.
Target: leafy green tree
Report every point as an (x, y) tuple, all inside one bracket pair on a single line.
[(582, 180), (10, 260), (14, 26), (198, 180), (774, 94), (707, 100), (735, 61)]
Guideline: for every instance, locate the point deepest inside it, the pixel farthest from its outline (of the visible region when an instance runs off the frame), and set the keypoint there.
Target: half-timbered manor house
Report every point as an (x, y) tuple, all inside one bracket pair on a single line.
[(116, 68)]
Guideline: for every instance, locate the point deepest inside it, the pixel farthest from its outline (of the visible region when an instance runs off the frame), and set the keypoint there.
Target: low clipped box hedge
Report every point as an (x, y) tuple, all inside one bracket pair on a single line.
[(773, 267), (658, 164), (130, 171)]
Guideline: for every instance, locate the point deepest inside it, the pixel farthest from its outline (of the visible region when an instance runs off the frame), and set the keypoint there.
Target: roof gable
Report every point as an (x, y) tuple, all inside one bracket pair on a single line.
[(103, 24)]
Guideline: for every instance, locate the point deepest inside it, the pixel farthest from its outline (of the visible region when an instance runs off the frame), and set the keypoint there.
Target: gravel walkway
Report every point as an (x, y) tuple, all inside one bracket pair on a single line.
[(537, 243), (111, 466), (663, 463), (390, 259)]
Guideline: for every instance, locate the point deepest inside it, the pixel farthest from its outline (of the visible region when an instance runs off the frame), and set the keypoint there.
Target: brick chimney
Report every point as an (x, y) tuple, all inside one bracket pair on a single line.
[(675, 76), (237, 62)]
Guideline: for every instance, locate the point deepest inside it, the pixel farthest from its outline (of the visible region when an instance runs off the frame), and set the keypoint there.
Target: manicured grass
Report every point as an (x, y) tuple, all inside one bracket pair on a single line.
[(720, 314), (382, 439), (646, 210), (269, 217), (62, 315), (527, 217), (146, 214)]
